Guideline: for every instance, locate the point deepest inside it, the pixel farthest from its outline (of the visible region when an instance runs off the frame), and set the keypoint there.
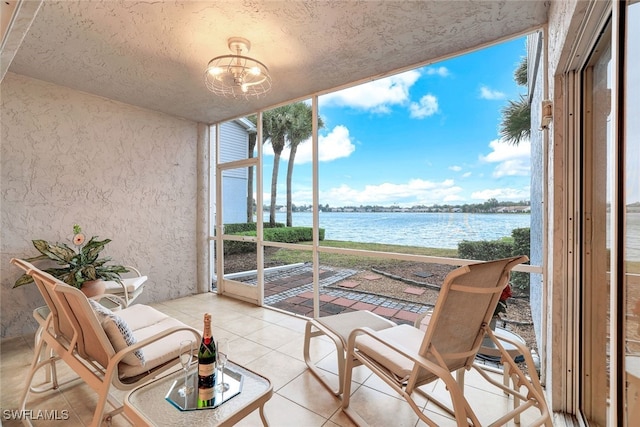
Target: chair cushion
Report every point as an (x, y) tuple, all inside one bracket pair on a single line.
[(342, 324), (160, 351), (404, 336), (119, 333)]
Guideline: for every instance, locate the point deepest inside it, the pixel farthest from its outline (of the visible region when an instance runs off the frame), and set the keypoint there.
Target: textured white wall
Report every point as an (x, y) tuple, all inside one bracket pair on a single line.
[(122, 172)]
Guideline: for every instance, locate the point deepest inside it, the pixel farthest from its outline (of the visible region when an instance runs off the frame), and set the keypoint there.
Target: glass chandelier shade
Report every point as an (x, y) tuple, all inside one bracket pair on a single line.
[(237, 76)]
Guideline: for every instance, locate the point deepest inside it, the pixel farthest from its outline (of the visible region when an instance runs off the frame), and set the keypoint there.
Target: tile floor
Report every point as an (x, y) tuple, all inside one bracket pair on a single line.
[(268, 342)]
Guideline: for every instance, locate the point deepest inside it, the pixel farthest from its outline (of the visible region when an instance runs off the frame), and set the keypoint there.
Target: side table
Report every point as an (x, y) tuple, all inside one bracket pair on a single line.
[(146, 405)]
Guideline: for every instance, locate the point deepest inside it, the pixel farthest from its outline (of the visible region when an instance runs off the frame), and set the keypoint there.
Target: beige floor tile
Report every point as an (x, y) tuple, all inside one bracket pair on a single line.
[(294, 348), (296, 323), (320, 348), (282, 412), (278, 367), (376, 383), (268, 342), (487, 406), (339, 418), (273, 336), (307, 391), (239, 324), (267, 315), (330, 364), (245, 351), (330, 423), (379, 409)]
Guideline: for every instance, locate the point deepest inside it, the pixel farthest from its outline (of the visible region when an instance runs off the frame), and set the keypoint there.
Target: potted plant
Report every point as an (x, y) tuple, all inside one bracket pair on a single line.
[(501, 307), (81, 267)]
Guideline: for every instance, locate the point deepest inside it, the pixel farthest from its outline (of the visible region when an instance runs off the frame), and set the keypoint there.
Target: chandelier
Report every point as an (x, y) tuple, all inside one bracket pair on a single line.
[(236, 75)]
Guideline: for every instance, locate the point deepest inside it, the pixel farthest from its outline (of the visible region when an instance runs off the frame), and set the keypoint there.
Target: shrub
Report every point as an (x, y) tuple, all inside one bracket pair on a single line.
[(521, 246), (486, 250), (241, 227), (276, 234)]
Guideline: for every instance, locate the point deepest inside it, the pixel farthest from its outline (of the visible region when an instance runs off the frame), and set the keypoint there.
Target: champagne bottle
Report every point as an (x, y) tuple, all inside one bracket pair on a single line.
[(206, 366)]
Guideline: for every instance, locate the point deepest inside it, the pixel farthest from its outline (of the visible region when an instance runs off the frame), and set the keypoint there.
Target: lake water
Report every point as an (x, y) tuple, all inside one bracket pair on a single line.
[(432, 230), (435, 230)]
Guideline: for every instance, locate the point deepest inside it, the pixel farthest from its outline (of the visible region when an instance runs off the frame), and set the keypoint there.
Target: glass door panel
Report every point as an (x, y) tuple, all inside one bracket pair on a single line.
[(237, 251), (598, 167), (632, 217)]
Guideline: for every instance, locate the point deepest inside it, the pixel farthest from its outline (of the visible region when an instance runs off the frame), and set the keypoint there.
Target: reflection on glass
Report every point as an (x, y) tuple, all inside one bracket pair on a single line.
[(632, 217)]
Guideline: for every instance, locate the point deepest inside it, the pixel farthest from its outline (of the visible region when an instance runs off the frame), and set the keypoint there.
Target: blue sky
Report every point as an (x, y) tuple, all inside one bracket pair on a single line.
[(426, 136)]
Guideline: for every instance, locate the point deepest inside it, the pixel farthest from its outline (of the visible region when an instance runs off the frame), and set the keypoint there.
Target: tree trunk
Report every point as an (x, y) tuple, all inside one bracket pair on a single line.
[(274, 189), (292, 156)]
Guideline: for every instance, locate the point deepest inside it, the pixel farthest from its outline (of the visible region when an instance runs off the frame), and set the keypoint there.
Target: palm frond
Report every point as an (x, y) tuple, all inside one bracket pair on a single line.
[(516, 121)]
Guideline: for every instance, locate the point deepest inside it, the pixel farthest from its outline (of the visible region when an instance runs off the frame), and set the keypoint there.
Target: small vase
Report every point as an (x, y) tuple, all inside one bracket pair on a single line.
[(486, 341), (492, 323), (91, 288)]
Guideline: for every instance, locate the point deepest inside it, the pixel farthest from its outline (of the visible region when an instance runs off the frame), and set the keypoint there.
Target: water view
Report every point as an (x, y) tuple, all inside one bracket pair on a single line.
[(437, 230)]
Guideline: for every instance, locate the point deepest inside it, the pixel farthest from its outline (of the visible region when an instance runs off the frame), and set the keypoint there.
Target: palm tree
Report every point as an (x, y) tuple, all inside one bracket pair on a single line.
[(516, 116), (300, 130), (252, 146), (276, 122)]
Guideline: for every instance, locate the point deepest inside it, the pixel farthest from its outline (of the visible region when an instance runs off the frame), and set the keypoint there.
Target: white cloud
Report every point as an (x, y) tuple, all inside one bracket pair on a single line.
[(377, 95), (466, 174), (513, 160), (503, 194), (486, 93), (427, 106), (455, 168), (439, 71), (413, 192), (336, 144), (516, 167)]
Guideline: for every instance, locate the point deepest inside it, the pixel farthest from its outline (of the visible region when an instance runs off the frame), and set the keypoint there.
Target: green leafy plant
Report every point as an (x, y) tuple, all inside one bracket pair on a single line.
[(78, 266)]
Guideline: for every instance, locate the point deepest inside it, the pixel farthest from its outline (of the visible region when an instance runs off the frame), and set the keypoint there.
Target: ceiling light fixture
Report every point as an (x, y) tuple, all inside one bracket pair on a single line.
[(237, 76)]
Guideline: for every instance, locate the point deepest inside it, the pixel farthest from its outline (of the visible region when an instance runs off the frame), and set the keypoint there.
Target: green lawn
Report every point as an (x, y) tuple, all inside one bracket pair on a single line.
[(288, 256)]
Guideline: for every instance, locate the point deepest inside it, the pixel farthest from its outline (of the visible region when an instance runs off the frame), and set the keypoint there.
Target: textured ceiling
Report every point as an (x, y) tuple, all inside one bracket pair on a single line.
[(153, 53)]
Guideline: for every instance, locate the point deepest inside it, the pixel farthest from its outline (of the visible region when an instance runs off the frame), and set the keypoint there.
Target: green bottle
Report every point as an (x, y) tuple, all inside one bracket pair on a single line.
[(206, 366)]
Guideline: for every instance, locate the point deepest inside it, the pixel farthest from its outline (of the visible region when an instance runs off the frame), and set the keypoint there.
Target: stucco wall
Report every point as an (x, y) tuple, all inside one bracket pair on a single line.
[(536, 92), (119, 171)]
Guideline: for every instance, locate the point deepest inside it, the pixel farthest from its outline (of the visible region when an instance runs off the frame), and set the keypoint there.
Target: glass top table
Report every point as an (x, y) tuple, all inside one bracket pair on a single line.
[(147, 406)]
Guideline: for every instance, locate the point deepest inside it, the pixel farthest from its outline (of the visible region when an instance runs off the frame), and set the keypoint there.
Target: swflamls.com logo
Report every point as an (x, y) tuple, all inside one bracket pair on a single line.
[(36, 414)]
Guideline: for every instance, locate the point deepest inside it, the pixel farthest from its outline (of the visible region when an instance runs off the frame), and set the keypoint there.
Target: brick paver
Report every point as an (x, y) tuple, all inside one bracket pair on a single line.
[(363, 306), (291, 289), (349, 284), (385, 312), (345, 302), (406, 315)]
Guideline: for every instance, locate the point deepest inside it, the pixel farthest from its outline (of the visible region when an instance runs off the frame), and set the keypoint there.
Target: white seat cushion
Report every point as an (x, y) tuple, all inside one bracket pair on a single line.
[(119, 333), (131, 283), (145, 322), (404, 336)]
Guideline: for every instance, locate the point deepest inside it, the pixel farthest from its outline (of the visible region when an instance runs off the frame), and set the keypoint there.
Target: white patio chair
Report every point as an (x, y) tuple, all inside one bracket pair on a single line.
[(407, 358), (105, 349), (130, 288)]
